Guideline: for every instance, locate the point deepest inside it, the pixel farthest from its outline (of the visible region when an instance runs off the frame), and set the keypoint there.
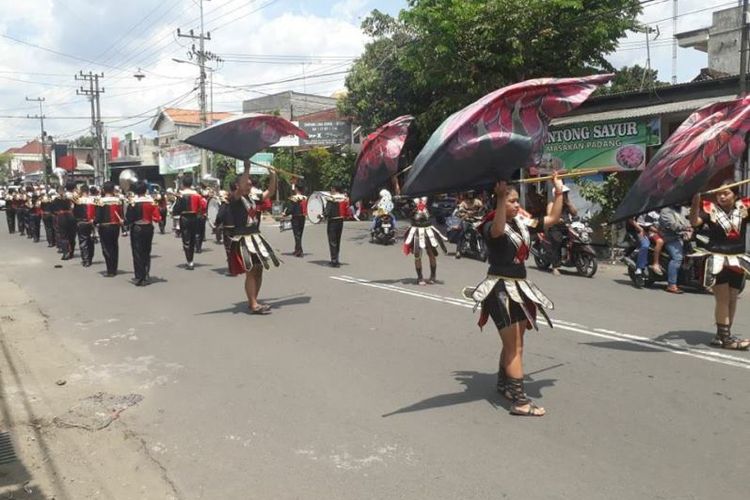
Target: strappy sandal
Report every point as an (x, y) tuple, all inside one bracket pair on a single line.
[(502, 382), (730, 342), (260, 310), (521, 404)]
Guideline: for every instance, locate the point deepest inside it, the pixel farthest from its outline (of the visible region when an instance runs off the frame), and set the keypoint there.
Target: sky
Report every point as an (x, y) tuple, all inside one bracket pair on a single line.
[(44, 43)]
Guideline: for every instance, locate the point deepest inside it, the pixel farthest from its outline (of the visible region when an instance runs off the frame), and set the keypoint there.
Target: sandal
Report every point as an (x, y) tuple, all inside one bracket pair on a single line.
[(521, 404), (730, 342), (260, 310)]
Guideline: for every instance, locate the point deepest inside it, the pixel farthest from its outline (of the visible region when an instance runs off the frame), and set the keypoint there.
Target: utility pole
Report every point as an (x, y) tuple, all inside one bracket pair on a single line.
[(743, 48), (40, 116), (93, 93), (202, 56), (674, 42)]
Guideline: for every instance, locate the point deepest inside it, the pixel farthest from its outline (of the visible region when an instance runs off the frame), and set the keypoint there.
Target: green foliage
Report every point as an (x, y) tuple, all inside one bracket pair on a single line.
[(320, 167), (85, 141), (225, 169), (608, 195), (630, 78), (5, 173), (440, 55)]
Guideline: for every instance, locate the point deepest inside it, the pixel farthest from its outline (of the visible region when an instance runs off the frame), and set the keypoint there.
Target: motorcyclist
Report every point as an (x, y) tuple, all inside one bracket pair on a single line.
[(557, 233), (675, 229), (384, 206), (645, 229), (470, 209)]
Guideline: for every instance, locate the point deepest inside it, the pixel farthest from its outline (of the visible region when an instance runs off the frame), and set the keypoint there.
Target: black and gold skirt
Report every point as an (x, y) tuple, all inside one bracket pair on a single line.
[(247, 251), (508, 301)]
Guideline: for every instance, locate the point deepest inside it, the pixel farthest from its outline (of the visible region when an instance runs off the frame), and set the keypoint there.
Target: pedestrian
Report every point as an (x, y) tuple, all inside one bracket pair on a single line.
[(506, 295), (674, 229), (140, 215), (190, 205), (297, 209), (726, 217), (336, 209), (422, 236), (109, 219), (250, 252)]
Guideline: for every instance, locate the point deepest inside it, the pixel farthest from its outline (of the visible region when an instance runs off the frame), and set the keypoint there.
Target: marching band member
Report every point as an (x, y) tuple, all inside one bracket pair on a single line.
[(506, 295), (48, 217), (200, 221), (189, 206), (225, 223), (84, 211), (10, 210), (726, 218), (21, 212), (109, 218), (67, 221), (336, 209), (161, 200), (297, 210), (423, 236), (35, 217), (250, 252), (142, 211)]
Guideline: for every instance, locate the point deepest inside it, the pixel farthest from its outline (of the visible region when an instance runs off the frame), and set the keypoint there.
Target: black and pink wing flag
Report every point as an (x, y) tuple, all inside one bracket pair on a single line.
[(500, 133), (242, 136), (699, 154), (378, 160)]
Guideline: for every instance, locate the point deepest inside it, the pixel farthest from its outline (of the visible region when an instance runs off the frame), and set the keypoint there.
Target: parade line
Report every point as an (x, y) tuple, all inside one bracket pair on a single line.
[(661, 345)]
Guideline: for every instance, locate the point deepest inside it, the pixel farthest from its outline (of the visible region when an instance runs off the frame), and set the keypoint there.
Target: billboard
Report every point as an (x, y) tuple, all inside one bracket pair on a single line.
[(329, 133), (177, 158)]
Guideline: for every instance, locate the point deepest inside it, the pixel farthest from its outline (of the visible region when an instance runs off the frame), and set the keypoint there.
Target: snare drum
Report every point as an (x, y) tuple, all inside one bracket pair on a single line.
[(316, 205)]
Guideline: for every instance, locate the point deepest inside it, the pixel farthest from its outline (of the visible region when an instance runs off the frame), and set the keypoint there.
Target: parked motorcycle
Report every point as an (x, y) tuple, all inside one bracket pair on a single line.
[(691, 272), (576, 249), (384, 232)]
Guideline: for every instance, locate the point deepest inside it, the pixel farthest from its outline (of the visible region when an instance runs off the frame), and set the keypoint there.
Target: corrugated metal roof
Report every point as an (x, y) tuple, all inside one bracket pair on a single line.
[(657, 109)]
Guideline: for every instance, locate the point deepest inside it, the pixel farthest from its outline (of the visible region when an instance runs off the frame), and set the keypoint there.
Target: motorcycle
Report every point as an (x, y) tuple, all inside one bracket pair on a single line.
[(691, 272), (469, 241), (576, 249), (384, 232)]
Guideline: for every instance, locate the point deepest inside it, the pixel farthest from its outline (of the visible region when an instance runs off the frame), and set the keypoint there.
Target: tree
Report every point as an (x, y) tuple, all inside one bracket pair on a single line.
[(629, 78), (85, 141), (440, 55), (5, 172), (320, 167)]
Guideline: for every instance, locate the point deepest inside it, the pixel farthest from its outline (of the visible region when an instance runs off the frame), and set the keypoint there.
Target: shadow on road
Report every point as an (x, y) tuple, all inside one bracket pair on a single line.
[(274, 302), (119, 273), (623, 346), (477, 387), (325, 263), (690, 337)]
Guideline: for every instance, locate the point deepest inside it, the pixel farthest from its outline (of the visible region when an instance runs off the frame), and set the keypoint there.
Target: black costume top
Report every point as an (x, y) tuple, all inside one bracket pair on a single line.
[(244, 213), (726, 230), (507, 253)]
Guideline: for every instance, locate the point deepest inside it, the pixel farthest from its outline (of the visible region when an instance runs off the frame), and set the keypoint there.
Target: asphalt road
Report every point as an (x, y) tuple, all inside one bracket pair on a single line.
[(362, 384)]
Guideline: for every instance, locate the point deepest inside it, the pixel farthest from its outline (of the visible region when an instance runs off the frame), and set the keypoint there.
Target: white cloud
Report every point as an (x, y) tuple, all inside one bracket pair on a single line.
[(349, 9)]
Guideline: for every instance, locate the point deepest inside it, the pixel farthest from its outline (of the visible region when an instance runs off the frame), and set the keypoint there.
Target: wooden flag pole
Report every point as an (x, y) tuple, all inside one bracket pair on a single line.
[(578, 173), (727, 186), (279, 170)]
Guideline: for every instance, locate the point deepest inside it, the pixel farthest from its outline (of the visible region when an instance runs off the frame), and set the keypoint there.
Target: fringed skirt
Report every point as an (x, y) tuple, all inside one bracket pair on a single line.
[(427, 238), (508, 301), (247, 251), (730, 269)]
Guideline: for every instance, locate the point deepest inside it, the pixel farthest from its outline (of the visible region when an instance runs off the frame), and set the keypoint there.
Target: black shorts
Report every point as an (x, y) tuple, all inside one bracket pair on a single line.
[(734, 278), (504, 316)]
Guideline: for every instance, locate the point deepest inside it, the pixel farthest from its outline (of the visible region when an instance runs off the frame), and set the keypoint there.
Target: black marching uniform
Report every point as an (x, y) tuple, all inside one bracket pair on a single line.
[(139, 217), (297, 209), (336, 209), (109, 218), (85, 213), (188, 207), (48, 219), (225, 222), (10, 211), (35, 218), (21, 213), (161, 200), (66, 223)]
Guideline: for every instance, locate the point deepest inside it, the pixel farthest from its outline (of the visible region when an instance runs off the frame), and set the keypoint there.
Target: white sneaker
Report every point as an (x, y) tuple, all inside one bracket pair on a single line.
[(638, 272)]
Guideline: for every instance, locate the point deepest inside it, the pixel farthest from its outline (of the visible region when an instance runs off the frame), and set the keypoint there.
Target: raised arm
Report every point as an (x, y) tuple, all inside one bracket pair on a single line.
[(272, 184), (555, 210), (498, 223), (695, 210)]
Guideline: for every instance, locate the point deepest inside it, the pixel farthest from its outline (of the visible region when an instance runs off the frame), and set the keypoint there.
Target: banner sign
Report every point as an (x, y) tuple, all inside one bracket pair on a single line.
[(261, 159), (175, 159), (619, 145)]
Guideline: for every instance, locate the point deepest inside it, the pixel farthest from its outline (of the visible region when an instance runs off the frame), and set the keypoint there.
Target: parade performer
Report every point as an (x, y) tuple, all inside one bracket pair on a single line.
[(297, 209), (336, 209), (200, 220), (22, 211), (506, 295), (84, 211), (48, 217), (422, 236), (35, 217), (161, 201), (250, 252), (67, 221), (142, 212), (189, 206), (225, 223), (726, 218), (10, 210), (109, 218)]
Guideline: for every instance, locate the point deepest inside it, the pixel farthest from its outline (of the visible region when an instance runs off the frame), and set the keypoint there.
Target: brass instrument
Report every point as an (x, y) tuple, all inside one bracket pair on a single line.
[(127, 179)]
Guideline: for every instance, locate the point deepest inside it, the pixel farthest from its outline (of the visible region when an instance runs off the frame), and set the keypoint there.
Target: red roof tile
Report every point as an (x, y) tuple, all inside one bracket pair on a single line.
[(327, 115), (193, 116)]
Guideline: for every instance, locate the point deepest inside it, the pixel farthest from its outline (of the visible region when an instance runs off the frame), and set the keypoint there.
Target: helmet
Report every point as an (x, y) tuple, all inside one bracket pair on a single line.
[(384, 193)]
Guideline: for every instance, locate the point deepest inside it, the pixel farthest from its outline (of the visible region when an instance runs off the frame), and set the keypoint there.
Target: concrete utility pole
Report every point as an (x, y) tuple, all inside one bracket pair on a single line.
[(201, 56), (743, 48), (40, 116), (93, 93)]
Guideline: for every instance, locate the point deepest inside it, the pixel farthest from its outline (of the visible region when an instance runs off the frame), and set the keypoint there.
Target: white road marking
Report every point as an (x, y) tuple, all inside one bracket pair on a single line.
[(661, 345)]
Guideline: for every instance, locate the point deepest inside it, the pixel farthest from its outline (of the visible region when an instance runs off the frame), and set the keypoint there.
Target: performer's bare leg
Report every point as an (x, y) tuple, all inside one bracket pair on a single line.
[(433, 267), (511, 362)]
